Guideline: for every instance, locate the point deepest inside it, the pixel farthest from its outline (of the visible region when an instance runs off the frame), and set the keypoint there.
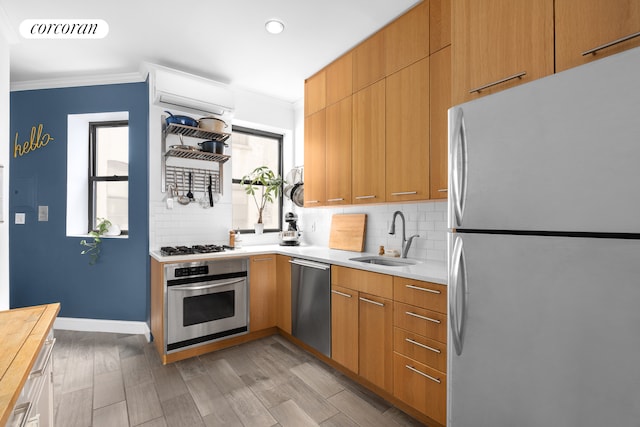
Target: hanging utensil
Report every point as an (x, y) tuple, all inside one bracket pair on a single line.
[(190, 194), (182, 199), (210, 193)]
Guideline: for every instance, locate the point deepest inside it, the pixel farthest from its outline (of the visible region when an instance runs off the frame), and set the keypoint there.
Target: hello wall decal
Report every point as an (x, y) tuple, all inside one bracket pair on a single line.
[(38, 139)]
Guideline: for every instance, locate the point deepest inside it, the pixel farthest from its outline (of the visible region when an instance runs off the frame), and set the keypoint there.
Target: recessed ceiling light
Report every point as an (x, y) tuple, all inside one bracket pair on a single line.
[(274, 26)]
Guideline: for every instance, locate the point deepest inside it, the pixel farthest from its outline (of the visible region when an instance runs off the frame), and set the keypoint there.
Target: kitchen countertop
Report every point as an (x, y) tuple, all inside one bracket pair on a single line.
[(430, 271), (22, 333)]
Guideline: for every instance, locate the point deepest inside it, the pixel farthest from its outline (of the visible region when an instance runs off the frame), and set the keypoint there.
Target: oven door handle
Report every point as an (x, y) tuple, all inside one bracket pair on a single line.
[(212, 285)]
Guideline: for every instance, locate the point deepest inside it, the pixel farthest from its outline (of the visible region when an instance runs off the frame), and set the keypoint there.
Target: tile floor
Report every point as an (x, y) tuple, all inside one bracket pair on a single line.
[(113, 380)]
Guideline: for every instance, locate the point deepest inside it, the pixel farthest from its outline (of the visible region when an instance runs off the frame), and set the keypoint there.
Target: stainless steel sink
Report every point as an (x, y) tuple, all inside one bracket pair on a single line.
[(383, 260)]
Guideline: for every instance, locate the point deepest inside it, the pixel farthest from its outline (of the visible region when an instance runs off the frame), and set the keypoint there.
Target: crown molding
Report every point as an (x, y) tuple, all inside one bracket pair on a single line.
[(75, 81)]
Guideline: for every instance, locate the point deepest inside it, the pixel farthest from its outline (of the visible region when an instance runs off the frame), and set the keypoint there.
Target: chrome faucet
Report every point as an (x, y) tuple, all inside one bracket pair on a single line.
[(406, 244)]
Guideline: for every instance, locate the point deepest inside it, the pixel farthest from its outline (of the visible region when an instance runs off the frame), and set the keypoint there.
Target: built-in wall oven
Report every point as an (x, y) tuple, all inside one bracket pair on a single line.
[(205, 301)]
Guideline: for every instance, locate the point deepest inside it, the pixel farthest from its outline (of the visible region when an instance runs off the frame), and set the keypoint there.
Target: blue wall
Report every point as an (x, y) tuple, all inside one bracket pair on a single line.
[(45, 265)]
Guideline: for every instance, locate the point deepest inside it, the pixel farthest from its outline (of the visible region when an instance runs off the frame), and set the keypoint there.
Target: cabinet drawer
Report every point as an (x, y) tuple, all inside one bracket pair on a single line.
[(364, 281), (423, 294), (427, 323), (424, 350), (421, 387)]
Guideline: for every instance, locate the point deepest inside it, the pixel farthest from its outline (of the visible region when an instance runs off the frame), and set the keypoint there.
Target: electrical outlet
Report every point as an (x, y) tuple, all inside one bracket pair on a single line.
[(20, 218), (43, 213)]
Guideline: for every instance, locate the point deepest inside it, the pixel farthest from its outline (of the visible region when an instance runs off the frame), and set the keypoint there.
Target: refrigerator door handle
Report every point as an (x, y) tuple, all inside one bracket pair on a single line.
[(458, 165), (458, 301)]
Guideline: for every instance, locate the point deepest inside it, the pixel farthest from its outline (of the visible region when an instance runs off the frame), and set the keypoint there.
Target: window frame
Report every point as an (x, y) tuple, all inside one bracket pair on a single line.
[(280, 139), (93, 178)]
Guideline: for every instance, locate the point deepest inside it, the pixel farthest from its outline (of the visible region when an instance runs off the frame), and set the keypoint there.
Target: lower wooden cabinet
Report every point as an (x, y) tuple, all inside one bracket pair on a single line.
[(344, 327), (421, 387), (283, 293), (262, 292), (375, 340)]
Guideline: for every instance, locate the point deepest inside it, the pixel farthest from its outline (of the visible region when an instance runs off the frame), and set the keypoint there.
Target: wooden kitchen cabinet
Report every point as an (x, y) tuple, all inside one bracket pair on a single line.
[(315, 93), (338, 152), (407, 38), (339, 79), (421, 387), (375, 340), (262, 292), (591, 24), (407, 133), (440, 96), (495, 40), (420, 346), (344, 327), (283, 293), (439, 25), (368, 149), (369, 61), (315, 159)]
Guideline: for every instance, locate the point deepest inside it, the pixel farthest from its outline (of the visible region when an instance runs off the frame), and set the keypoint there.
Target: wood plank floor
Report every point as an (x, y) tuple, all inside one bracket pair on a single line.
[(113, 380)]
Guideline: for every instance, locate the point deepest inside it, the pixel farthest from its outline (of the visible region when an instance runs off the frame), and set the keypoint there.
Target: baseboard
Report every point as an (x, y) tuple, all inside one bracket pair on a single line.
[(100, 325)]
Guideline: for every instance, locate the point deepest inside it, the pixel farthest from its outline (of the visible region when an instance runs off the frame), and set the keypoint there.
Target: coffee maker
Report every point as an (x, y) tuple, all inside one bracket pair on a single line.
[(291, 236)]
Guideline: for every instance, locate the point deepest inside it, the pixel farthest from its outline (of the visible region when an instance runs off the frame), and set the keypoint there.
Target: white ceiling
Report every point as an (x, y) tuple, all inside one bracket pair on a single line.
[(220, 40)]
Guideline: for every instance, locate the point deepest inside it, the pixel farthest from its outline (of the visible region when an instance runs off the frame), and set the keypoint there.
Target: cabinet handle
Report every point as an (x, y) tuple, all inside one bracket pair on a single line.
[(404, 193), (45, 361), (435, 350), (506, 79), (339, 199), (372, 302), (411, 368), (262, 259), (613, 43), (365, 197), (340, 293), (421, 317), (418, 288), (312, 201), (443, 190)]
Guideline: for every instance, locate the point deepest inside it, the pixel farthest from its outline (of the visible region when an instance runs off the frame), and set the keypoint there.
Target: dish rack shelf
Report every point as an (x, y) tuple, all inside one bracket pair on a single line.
[(196, 132), (172, 175), (196, 155)]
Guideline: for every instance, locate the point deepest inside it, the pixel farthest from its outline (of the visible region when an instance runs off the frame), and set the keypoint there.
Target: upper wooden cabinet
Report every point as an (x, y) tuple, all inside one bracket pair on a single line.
[(439, 24), (440, 95), (594, 24), (495, 41), (407, 133), (339, 78), (407, 38), (315, 93), (368, 145), (369, 61), (315, 159), (338, 152)]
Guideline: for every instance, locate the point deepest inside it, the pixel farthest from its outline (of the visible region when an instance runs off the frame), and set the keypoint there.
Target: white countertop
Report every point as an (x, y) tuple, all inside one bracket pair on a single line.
[(430, 271)]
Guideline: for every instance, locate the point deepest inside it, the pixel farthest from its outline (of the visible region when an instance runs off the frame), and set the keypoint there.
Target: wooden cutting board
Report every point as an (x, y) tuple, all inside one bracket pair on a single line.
[(347, 232)]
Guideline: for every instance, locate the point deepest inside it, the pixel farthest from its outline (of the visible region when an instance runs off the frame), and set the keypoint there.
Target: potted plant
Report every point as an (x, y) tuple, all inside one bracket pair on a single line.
[(263, 185), (93, 248)]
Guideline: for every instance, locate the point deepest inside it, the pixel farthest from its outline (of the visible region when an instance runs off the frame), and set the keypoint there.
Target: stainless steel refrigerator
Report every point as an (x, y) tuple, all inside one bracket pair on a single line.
[(544, 252)]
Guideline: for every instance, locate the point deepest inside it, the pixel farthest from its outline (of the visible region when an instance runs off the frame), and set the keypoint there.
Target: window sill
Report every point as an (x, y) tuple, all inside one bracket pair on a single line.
[(85, 236)]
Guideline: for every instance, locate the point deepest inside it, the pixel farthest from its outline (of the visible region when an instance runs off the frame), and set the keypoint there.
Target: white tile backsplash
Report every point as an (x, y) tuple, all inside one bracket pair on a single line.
[(428, 219)]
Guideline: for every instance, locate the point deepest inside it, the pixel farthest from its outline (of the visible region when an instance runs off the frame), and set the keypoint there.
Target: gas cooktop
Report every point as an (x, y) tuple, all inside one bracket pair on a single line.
[(195, 249)]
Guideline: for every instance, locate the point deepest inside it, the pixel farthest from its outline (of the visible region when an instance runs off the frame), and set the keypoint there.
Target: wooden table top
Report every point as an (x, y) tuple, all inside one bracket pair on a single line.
[(22, 333)]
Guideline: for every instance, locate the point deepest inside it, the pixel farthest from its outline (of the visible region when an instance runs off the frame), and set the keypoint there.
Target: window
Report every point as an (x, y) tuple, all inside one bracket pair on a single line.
[(109, 173), (251, 149)]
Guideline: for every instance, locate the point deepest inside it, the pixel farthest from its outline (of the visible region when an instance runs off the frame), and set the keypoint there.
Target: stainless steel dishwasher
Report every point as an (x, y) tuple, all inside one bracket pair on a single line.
[(311, 303)]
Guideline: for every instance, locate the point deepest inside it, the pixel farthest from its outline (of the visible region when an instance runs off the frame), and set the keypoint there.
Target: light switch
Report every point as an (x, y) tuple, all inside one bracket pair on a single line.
[(20, 218), (43, 213)]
